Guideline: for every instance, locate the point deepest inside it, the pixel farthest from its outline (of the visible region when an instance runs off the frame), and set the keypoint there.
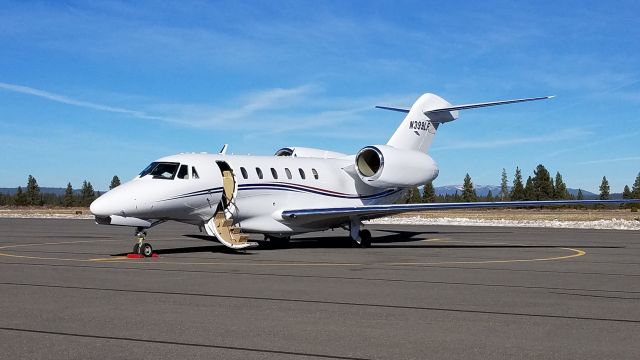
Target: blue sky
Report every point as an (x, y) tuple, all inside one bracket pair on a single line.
[(93, 89)]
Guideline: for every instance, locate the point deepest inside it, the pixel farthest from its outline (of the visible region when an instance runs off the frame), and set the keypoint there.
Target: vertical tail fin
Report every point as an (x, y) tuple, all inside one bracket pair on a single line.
[(419, 126), (417, 130)]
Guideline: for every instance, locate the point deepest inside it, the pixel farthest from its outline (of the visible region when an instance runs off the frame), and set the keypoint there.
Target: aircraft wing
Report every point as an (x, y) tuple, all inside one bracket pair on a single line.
[(375, 211)]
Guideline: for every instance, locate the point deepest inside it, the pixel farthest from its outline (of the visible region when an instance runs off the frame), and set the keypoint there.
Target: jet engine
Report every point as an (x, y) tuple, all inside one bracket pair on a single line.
[(387, 166)]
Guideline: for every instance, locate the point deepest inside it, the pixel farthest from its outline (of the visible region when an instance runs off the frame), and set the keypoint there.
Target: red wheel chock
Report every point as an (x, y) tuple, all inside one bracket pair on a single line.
[(140, 256)]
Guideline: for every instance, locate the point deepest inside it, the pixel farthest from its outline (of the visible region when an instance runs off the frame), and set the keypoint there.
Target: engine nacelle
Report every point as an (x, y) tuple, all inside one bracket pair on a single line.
[(386, 166), (309, 152)]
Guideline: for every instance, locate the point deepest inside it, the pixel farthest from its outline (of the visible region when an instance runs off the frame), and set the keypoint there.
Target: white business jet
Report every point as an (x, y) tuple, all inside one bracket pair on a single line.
[(297, 190)]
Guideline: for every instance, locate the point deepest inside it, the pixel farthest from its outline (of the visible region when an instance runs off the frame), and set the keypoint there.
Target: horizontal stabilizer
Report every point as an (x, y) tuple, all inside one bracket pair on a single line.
[(479, 105), (393, 109)]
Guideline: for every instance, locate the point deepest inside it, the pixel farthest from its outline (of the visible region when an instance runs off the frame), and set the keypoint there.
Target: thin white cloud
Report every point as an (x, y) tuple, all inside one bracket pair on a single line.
[(250, 105), (600, 161), (80, 103), (267, 112), (185, 115)]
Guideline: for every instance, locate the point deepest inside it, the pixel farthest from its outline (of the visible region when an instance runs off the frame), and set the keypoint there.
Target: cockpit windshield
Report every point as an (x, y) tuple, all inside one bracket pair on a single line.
[(161, 170)]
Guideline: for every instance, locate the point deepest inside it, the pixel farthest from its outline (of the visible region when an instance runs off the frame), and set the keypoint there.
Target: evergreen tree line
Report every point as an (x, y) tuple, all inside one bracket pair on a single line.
[(32, 196), (539, 186)]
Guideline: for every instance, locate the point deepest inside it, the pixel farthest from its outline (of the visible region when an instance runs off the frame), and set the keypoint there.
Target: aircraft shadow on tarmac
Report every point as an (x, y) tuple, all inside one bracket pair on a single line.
[(396, 240)]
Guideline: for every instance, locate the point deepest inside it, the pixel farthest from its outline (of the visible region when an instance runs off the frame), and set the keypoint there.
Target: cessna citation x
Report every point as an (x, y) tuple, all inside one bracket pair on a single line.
[(297, 190)]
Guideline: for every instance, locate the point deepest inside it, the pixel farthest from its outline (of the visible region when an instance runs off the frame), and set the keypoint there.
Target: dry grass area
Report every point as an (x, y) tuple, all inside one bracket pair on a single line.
[(6, 211), (532, 214)]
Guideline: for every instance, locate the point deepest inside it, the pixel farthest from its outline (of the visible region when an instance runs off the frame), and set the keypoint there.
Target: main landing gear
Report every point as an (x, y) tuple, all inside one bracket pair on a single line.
[(142, 248), (278, 241), (365, 238), (362, 237)]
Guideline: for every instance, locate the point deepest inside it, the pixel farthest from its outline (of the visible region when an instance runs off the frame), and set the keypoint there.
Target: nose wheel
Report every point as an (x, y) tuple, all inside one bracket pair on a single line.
[(141, 247)]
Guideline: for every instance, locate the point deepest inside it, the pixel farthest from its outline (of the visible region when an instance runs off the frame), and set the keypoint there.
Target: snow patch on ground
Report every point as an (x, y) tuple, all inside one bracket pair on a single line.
[(613, 224)]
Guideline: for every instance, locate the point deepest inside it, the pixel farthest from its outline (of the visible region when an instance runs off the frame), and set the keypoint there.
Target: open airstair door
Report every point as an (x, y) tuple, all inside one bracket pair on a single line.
[(221, 225)]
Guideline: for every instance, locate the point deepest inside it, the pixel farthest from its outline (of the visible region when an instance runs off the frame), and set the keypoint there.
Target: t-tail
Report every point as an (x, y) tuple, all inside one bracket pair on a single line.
[(425, 116)]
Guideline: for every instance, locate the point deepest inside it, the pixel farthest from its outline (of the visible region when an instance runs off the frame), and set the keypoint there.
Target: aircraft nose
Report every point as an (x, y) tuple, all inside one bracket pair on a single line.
[(100, 206)]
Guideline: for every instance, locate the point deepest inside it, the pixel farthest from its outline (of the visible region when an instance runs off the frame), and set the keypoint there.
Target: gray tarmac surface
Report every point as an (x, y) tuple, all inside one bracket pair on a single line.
[(418, 293)]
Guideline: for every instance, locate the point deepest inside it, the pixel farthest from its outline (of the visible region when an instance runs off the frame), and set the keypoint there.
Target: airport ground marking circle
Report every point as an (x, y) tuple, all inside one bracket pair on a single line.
[(124, 259)]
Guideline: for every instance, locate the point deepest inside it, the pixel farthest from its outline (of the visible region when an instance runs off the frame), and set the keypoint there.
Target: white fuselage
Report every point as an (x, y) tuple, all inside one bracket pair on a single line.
[(258, 199)]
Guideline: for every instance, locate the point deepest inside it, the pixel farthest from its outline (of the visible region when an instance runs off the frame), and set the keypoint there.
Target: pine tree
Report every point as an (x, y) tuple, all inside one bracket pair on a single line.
[(489, 196), (21, 197), (635, 190), (428, 193), (87, 195), (604, 189), (542, 184), (626, 194), (68, 196), (580, 196), (33, 192), (413, 196), (457, 197), (468, 192), (504, 188), (529, 190), (560, 190), (115, 182), (517, 191)]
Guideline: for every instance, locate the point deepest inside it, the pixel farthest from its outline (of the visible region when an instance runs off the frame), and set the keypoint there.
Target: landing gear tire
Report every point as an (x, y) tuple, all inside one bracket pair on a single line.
[(365, 238), (278, 242), (146, 250), (136, 249)]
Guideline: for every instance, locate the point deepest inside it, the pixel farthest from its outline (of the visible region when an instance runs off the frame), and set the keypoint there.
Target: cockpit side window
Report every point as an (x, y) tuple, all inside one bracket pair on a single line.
[(161, 170), (148, 169), (183, 173), (259, 172), (194, 173)]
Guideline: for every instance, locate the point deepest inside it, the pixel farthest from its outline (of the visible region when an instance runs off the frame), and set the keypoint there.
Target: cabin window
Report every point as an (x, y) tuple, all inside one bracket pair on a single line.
[(161, 170), (288, 172), (315, 173), (194, 173), (301, 174), (244, 172), (274, 173), (183, 173), (259, 172)]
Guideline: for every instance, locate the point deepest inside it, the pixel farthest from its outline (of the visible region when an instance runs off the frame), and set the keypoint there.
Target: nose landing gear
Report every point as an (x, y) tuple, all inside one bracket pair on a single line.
[(142, 248)]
